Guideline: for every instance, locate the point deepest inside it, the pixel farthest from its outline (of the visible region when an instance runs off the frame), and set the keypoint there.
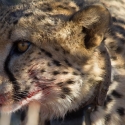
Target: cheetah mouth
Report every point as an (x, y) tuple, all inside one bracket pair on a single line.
[(7, 103), (35, 95)]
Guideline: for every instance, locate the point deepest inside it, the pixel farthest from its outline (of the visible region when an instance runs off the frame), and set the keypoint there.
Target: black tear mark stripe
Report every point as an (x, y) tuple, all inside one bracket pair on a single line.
[(10, 75), (16, 87)]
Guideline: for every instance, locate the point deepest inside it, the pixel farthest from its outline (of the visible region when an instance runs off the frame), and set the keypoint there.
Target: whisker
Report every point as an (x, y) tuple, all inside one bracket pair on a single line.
[(17, 97)]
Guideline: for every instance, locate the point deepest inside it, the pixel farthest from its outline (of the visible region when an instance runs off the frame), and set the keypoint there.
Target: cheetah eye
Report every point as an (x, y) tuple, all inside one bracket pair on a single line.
[(21, 46)]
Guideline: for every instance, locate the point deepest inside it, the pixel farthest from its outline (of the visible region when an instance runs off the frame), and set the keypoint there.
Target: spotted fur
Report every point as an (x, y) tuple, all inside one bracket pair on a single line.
[(67, 62)]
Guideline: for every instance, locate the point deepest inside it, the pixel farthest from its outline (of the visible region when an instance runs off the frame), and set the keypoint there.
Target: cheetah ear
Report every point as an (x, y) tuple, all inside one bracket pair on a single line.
[(95, 21)]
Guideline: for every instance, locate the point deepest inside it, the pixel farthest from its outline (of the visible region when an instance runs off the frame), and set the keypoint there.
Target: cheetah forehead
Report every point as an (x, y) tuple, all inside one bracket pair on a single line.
[(34, 15), (45, 21)]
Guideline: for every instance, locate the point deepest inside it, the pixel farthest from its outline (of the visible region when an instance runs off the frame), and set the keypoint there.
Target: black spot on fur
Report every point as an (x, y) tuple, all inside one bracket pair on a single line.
[(114, 57), (107, 118), (63, 96), (74, 73), (114, 19), (49, 9), (42, 17), (57, 63), (56, 49), (119, 49), (46, 7), (48, 54), (121, 111), (112, 45), (56, 72), (73, 8), (67, 62), (82, 74), (116, 78), (39, 53), (64, 72), (42, 50), (49, 64), (108, 100), (36, 78), (15, 22), (120, 29), (28, 14), (43, 70), (70, 82), (66, 90), (65, 51), (60, 84), (116, 94), (118, 20)]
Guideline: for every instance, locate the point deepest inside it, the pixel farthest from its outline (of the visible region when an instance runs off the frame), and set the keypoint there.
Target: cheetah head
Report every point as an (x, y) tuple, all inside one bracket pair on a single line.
[(52, 54)]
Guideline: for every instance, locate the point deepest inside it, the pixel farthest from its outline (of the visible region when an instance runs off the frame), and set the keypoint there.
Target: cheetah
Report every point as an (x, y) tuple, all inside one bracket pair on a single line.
[(60, 57)]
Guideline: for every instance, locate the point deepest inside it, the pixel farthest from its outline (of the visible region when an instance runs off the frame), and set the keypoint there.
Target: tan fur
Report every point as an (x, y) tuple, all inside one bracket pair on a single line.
[(67, 59)]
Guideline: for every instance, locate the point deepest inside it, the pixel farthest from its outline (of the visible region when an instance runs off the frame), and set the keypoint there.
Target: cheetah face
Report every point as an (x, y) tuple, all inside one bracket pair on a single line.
[(53, 61)]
